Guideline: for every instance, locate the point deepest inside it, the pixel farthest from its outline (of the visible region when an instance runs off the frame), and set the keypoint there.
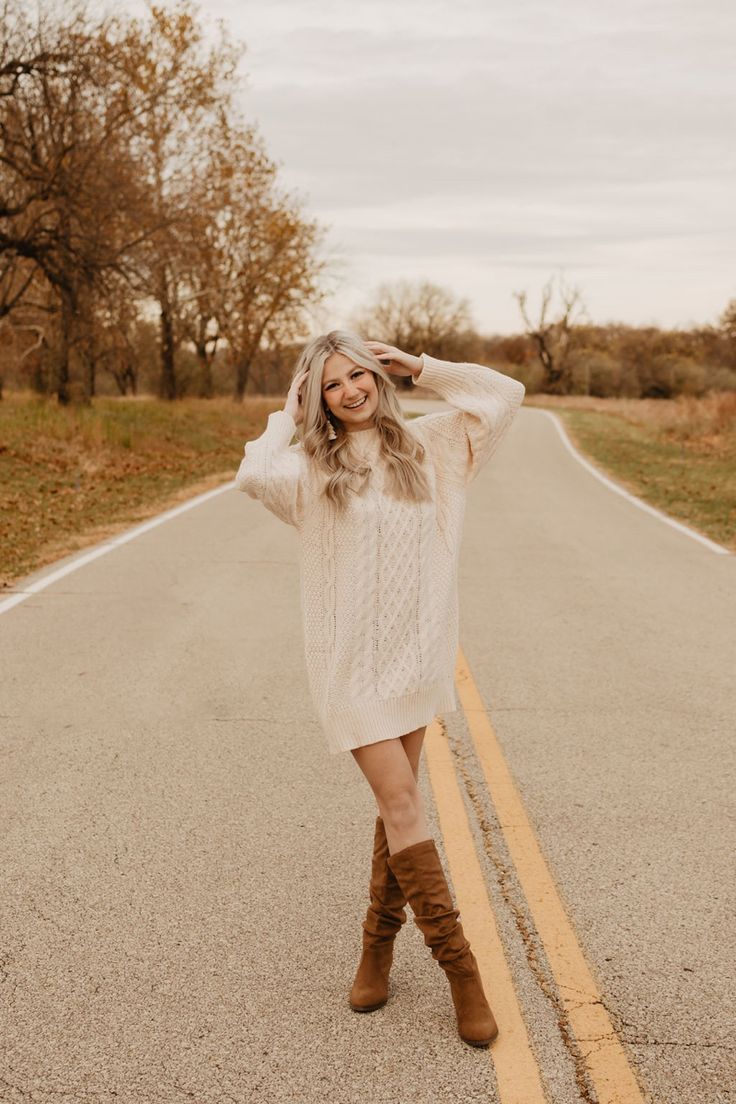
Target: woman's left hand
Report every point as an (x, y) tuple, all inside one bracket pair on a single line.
[(400, 364)]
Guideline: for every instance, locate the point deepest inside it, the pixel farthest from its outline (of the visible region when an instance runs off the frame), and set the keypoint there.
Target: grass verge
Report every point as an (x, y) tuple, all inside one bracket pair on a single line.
[(71, 477), (678, 455)]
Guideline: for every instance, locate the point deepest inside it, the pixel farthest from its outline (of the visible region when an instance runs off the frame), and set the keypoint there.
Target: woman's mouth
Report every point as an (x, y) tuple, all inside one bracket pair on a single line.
[(355, 405)]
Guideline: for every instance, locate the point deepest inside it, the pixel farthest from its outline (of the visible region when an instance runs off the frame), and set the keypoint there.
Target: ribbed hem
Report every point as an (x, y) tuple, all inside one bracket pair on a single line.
[(385, 720)]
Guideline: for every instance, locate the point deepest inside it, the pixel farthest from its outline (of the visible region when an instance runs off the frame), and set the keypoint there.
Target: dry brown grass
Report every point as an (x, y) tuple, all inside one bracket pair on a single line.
[(707, 424), (70, 477)]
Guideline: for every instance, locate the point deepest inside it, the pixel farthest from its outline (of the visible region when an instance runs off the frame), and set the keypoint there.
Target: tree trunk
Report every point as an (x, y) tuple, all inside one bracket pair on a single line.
[(90, 374), (63, 394), (39, 383), (206, 386), (242, 375), (167, 389), (133, 378)]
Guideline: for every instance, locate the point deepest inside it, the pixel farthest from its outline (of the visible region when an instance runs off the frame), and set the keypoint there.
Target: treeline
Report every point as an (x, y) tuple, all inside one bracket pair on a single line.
[(565, 353), (146, 245), (624, 361), (133, 195), (559, 351)]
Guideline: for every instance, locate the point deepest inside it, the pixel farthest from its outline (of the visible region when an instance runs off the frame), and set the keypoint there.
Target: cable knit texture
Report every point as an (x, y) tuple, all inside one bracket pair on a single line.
[(379, 584)]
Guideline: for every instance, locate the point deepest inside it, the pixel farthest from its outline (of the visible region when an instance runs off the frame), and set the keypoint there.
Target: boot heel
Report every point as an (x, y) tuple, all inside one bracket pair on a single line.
[(370, 988), (476, 1023)]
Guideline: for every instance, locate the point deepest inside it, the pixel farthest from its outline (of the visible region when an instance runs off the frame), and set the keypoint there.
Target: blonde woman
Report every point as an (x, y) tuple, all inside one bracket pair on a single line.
[(378, 502)]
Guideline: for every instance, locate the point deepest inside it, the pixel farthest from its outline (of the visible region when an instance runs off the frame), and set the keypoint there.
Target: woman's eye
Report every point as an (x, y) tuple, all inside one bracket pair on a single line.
[(358, 373)]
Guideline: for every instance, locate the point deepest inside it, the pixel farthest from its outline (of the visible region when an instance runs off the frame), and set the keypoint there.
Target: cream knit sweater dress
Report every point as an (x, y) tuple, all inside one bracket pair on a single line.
[(378, 586)]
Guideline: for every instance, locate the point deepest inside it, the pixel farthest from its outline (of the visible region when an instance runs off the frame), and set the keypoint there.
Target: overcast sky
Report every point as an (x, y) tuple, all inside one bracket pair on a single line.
[(487, 145)]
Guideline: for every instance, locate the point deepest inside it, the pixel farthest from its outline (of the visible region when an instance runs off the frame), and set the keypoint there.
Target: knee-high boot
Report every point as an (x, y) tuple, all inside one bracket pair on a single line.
[(419, 872), (385, 915)]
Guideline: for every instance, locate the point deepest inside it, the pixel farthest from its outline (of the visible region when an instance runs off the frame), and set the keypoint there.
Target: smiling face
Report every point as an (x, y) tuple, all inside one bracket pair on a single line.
[(345, 383)]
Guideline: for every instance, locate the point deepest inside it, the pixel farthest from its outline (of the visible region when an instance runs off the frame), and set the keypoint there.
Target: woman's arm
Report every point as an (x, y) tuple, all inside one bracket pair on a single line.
[(274, 473), (486, 404)]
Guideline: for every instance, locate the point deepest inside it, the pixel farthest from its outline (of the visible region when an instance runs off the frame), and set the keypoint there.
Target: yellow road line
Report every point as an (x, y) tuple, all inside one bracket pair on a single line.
[(603, 1054), (517, 1072)]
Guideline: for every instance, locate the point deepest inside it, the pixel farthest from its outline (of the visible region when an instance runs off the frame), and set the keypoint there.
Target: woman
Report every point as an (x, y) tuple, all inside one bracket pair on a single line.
[(378, 502)]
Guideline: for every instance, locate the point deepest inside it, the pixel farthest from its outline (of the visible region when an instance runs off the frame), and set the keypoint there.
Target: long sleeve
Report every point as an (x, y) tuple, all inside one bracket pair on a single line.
[(273, 472), (486, 402)]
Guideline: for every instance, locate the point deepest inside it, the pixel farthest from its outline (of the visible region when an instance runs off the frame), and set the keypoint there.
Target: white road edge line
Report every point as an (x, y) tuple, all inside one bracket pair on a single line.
[(627, 494), (107, 546)]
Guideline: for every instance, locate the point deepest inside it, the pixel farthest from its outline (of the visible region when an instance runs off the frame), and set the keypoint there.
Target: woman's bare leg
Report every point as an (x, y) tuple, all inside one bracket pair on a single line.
[(391, 769), (413, 742)]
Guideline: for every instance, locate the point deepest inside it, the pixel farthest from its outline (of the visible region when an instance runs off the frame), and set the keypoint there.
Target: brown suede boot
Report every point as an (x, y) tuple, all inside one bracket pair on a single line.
[(386, 914), (419, 872)]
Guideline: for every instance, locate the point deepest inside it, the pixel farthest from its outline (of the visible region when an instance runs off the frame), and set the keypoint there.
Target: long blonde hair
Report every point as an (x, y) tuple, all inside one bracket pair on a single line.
[(403, 452)]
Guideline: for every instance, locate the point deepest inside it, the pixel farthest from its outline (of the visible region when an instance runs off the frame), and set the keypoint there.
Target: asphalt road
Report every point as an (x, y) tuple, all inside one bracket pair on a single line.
[(184, 867)]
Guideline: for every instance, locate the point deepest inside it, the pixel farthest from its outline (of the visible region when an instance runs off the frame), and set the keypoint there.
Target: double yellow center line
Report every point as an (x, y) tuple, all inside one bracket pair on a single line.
[(517, 1071)]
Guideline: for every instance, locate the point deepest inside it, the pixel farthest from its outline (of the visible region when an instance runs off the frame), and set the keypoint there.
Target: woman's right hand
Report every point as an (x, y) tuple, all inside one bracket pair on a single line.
[(293, 399)]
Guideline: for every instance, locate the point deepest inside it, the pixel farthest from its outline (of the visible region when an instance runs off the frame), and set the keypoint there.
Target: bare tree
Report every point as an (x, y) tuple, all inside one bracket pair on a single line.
[(418, 315), (727, 327), (553, 337)]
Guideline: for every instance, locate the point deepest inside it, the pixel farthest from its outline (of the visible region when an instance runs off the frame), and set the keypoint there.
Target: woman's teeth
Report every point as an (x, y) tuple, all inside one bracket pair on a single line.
[(354, 406)]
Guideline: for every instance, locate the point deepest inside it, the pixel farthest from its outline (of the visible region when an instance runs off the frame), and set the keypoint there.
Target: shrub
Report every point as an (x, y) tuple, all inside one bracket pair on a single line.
[(596, 372), (669, 374)]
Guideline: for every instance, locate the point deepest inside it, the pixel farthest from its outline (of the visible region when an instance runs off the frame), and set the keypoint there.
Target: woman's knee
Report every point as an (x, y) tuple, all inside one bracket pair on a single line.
[(390, 775), (401, 807)]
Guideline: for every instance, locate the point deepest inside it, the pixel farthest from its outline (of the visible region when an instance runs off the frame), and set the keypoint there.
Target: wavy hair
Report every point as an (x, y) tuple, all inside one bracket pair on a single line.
[(403, 452)]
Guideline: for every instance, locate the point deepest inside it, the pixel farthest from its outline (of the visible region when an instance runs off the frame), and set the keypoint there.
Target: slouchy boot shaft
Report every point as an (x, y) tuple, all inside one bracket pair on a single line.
[(419, 872), (386, 913)]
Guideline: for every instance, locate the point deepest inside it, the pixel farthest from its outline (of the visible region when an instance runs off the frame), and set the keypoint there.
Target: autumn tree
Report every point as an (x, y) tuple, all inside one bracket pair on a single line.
[(170, 147), (277, 283), (127, 178), (72, 203), (261, 256), (108, 129)]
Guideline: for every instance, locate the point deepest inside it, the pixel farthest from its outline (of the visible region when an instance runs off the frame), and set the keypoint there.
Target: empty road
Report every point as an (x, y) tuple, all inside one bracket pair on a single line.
[(185, 867)]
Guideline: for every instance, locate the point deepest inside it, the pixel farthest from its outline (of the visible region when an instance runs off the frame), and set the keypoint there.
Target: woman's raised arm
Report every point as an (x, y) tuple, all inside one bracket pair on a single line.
[(273, 472), (486, 403)]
